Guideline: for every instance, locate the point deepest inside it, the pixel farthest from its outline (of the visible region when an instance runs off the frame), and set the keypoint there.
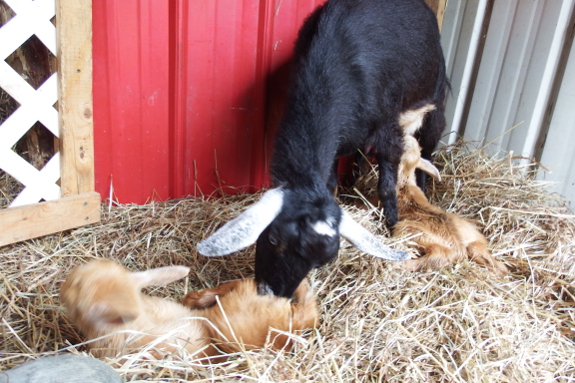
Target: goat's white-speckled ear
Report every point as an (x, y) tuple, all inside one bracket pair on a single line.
[(429, 168), (358, 236), (245, 229)]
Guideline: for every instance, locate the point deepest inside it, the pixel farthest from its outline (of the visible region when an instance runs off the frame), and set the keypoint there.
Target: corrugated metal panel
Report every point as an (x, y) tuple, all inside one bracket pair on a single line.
[(459, 38), (511, 73), (131, 119), (216, 105), (516, 72), (181, 93), (558, 153)]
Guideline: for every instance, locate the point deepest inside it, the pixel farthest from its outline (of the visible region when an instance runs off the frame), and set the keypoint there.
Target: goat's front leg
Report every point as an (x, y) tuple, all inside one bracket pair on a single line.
[(388, 155), (333, 177)]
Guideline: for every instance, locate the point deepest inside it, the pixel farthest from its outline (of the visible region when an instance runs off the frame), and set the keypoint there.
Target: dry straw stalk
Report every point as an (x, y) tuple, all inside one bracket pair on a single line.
[(378, 322)]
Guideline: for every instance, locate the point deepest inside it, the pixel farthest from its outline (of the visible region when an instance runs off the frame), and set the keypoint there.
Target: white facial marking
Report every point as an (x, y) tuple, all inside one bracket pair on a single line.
[(324, 228)]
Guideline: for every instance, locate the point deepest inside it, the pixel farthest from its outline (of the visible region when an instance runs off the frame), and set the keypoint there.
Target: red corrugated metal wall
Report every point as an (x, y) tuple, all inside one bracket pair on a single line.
[(187, 94)]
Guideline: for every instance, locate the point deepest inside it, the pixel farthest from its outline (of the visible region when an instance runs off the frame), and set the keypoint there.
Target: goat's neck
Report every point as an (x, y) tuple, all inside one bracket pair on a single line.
[(410, 195)]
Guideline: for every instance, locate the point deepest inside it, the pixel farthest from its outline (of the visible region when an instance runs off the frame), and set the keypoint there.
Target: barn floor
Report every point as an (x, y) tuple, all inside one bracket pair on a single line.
[(379, 323)]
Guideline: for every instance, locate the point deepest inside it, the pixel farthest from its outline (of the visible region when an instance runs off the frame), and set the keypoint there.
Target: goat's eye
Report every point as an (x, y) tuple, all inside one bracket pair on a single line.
[(273, 240)]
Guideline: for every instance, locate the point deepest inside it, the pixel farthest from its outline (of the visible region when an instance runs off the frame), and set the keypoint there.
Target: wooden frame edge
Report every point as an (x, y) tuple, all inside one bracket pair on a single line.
[(36, 220)]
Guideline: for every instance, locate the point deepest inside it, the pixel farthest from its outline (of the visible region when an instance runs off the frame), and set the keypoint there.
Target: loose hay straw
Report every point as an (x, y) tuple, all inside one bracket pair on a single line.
[(378, 322)]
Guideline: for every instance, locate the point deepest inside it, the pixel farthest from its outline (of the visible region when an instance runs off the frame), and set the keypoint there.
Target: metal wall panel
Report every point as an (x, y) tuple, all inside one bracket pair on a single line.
[(216, 103), (130, 88), (513, 93), (457, 35), (187, 93), (559, 151), (511, 72)]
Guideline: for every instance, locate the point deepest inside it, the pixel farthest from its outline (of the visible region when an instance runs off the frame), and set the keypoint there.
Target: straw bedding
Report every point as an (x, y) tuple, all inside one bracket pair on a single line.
[(378, 322)]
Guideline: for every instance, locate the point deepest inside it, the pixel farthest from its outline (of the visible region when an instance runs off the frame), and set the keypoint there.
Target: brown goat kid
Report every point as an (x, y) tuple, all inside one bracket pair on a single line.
[(442, 238), (103, 299)]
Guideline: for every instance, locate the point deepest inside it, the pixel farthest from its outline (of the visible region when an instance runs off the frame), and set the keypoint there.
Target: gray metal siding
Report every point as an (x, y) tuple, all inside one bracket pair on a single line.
[(516, 72), (559, 150)]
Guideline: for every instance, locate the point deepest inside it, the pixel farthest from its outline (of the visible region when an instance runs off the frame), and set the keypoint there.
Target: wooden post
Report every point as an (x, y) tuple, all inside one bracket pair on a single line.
[(74, 39)]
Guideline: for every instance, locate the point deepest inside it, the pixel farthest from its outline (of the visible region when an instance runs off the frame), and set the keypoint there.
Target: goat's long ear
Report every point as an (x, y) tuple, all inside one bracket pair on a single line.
[(159, 276), (429, 168), (367, 242), (245, 229)]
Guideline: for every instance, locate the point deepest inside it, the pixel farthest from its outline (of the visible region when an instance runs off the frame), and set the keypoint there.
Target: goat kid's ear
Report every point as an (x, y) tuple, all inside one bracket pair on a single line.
[(159, 276), (358, 236), (245, 229), (429, 168)]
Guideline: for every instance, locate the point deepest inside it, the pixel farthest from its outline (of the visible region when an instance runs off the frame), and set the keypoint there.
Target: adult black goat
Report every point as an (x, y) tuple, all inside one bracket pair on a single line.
[(358, 65)]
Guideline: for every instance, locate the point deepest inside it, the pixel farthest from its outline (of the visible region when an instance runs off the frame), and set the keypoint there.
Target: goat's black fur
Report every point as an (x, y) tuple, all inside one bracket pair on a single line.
[(357, 65)]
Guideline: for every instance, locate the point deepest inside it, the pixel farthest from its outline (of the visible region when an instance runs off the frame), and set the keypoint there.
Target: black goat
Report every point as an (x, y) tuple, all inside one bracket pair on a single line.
[(358, 65)]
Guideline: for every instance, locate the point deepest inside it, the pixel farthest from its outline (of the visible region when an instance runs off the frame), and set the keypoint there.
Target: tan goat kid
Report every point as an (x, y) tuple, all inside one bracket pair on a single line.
[(442, 238), (103, 299)]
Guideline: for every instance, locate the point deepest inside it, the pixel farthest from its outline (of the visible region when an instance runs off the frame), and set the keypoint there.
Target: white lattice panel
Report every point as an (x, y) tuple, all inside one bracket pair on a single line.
[(32, 18)]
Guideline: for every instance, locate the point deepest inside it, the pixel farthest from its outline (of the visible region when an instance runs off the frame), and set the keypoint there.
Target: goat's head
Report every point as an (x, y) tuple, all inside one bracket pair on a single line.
[(296, 230), (303, 236)]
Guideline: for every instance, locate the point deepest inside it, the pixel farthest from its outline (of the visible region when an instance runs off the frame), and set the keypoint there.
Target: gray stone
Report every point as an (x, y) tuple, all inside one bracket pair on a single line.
[(62, 369)]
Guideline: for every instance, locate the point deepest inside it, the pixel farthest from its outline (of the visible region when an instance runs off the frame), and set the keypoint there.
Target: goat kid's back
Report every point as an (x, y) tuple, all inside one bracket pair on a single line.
[(103, 299), (253, 319)]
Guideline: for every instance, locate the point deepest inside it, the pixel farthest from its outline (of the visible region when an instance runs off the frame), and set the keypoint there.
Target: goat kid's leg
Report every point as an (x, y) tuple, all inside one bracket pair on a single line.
[(303, 309), (202, 299), (478, 252), (436, 256), (305, 306), (303, 292)]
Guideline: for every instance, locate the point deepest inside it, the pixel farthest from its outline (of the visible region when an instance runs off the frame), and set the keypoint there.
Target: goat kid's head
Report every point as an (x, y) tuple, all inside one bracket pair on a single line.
[(104, 293), (411, 160), (410, 121), (295, 233)]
